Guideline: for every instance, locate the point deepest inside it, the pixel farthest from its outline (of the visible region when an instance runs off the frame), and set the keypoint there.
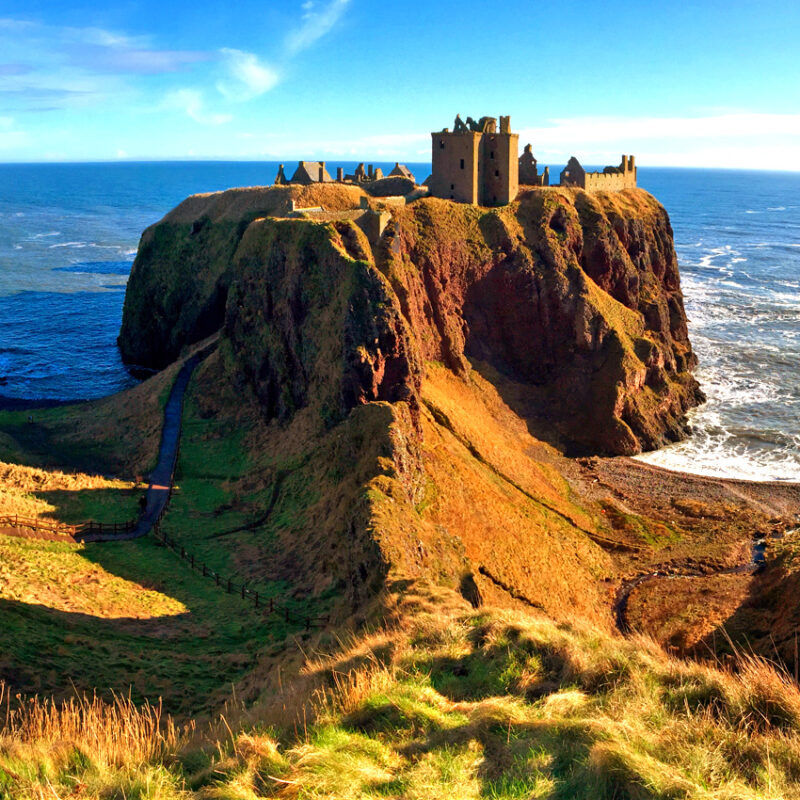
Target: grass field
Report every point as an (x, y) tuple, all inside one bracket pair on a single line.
[(132, 616), (447, 701)]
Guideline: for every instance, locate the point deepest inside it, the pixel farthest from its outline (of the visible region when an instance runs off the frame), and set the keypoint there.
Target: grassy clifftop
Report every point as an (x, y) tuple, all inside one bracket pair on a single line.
[(402, 389), (443, 699), (380, 438)]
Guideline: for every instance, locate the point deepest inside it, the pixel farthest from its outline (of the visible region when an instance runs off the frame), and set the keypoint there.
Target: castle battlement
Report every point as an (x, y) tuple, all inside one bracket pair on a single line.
[(611, 179), (475, 163)]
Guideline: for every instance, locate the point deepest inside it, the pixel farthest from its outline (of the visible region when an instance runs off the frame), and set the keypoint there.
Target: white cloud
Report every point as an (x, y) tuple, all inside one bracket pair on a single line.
[(247, 76), (191, 102), (317, 21), (731, 139), (10, 137)]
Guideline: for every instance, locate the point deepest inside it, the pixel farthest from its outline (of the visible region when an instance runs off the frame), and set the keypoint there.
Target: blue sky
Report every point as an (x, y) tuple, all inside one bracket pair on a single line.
[(702, 83)]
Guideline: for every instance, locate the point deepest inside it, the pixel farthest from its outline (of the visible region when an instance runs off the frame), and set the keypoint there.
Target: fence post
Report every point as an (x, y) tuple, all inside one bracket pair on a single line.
[(204, 570), (271, 604), (216, 578), (256, 599), (243, 590), (192, 557), (308, 623), (286, 614), (229, 585), (183, 552)]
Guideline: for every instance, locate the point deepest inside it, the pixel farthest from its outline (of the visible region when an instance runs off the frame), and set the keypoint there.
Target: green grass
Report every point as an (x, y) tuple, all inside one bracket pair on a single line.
[(100, 505), (188, 657), (553, 711), (43, 442), (132, 616), (227, 527)]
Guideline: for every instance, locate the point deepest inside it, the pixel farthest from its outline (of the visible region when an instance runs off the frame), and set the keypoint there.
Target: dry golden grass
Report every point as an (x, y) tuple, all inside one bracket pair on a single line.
[(20, 485), (235, 204), (58, 576), (442, 699), (115, 733)]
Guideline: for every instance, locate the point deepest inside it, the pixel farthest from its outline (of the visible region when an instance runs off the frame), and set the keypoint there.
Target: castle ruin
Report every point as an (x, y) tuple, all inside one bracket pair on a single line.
[(611, 179), (474, 163), (529, 171)]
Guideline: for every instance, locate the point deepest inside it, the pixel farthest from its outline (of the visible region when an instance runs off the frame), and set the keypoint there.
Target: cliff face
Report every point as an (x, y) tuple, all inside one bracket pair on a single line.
[(572, 299), (530, 291), (402, 379), (180, 278)]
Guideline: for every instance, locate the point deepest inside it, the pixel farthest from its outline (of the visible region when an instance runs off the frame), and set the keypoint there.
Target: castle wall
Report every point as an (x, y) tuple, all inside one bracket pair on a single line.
[(455, 159), (609, 181), (499, 159)]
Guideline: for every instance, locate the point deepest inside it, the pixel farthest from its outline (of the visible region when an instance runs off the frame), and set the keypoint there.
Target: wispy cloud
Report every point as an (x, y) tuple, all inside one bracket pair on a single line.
[(317, 20), (247, 77), (108, 51), (48, 66), (10, 136), (741, 138), (608, 129), (192, 103)]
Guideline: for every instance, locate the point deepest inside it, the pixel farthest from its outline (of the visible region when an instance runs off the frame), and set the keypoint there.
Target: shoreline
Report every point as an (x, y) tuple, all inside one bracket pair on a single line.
[(636, 480), (671, 476)]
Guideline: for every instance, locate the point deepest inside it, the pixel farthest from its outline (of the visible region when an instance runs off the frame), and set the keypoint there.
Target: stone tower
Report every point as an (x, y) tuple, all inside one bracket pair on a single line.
[(474, 163)]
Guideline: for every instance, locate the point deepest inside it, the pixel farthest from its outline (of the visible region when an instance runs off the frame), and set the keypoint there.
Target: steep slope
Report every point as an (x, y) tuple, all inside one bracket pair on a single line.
[(397, 382)]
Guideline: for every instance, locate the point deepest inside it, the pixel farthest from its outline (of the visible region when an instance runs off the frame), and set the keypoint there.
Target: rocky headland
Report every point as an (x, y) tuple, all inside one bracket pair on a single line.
[(422, 389)]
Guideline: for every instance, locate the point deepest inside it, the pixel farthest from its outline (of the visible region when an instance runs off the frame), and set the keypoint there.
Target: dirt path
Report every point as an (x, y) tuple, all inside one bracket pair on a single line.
[(160, 479), (681, 570)]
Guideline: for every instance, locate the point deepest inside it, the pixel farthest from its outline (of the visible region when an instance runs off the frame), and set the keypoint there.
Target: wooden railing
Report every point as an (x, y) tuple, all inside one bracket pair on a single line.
[(63, 529), (268, 604)]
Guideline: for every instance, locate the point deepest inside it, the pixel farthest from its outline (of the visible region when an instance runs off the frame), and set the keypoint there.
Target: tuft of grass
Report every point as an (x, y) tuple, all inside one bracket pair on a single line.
[(559, 711)]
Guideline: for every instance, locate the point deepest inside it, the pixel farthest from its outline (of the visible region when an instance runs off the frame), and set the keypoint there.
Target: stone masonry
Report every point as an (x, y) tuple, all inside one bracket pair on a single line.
[(611, 179), (474, 163)]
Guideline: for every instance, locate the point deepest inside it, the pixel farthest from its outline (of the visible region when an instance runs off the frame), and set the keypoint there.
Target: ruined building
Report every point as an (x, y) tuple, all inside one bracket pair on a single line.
[(611, 179), (474, 163), (308, 172), (529, 172), (402, 171)]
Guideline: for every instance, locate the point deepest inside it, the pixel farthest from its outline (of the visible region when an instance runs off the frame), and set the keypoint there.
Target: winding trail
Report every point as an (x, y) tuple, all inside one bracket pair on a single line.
[(160, 479), (672, 570)]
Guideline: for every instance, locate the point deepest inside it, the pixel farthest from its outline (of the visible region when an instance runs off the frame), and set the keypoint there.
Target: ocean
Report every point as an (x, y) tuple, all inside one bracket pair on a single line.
[(69, 232)]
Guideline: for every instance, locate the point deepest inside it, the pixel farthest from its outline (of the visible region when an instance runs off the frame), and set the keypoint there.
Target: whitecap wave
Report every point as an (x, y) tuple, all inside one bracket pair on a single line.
[(722, 458)]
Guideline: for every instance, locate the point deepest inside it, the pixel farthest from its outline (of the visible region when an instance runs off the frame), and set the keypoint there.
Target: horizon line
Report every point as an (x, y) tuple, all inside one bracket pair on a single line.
[(229, 160)]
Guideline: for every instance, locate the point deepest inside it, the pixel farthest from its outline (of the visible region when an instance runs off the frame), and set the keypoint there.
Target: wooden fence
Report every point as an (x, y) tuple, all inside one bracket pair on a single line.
[(61, 528), (258, 599)]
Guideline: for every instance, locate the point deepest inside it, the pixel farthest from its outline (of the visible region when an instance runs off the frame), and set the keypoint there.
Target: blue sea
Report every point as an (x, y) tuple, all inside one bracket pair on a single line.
[(69, 232)]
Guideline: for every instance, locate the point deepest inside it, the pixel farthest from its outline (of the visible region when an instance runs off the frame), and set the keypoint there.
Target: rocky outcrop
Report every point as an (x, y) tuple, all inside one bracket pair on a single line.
[(310, 322), (180, 278), (397, 380), (572, 299)]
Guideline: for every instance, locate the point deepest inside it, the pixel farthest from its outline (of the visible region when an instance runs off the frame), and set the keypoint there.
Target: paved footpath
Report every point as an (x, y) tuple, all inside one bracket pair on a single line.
[(160, 478)]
